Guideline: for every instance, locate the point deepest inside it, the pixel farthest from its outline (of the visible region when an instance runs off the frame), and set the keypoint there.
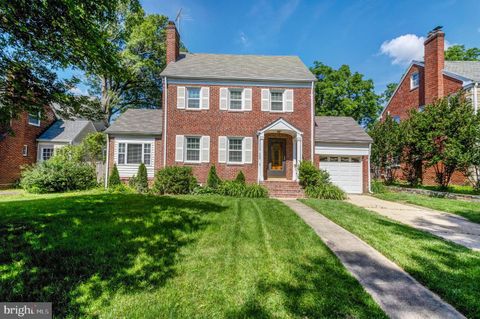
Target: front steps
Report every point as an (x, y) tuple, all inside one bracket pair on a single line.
[(283, 189)]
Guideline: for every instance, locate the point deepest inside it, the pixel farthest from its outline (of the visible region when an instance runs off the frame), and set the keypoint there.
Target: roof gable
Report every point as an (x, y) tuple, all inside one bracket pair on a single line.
[(138, 122), (65, 130), (339, 129)]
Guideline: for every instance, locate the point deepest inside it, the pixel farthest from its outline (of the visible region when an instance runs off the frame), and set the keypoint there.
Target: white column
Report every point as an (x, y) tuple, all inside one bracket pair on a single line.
[(261, 138), (299, 143), (295, 159)]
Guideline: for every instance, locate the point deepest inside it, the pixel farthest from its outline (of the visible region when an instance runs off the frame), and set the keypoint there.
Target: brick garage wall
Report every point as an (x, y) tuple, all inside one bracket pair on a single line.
[(215, 123), (11, 158), (405, 98)]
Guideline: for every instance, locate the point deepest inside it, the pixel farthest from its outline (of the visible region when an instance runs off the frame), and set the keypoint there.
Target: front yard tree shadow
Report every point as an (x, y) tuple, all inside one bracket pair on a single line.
[(79, 251)]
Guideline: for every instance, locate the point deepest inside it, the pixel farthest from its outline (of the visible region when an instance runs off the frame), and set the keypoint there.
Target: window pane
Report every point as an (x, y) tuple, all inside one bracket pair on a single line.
[(33, 119), (193, 104), (323, 159), (277, 106), (277, 96), (193, 149), (235, 105), (345, 159), (235, 150), (333, 159), (356, 159), (147, 148), (121, 158), (146, 159), (193, 155), (47, 153), (134, 153), (121, 148), (193, 98), (235, 94)]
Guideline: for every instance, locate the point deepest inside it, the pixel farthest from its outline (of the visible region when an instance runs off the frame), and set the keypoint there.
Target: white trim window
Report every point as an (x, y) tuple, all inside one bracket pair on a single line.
[(396, 118), (25, 150), (235, 150), (414, 80), (276, 101), (193, 98), (134, 153), (192, 149), (34, 119), (47, 153), (235, 99)]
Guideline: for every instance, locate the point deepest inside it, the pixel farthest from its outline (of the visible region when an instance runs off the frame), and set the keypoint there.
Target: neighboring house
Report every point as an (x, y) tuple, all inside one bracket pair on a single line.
[(61, 133), (425, 81), (20, 148), (240, 113)]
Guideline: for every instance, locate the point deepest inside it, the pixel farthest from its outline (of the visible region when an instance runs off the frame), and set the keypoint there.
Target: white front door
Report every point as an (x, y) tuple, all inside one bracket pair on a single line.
[(345, 172)]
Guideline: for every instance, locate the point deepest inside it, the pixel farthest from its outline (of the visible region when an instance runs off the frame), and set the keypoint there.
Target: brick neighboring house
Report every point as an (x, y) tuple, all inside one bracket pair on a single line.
[(425, 81), (239, 112), (21, 148)]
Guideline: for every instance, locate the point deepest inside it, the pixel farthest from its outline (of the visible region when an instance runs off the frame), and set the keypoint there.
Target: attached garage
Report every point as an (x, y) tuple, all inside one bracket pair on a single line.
[(342, 148)]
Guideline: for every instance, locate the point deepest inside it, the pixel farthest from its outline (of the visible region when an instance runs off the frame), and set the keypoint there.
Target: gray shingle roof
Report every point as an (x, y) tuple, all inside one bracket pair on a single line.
[(138, 122), (239, 67), (339, 129), (64, 130), (467, 69)]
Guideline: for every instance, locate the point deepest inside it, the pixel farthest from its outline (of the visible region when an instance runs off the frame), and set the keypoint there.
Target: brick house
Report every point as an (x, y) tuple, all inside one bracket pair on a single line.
[(21, 148), (239, 112), (425, 81)]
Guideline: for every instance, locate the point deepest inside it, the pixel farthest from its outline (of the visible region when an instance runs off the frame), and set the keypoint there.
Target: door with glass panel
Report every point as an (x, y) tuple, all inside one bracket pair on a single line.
[(276, 158)]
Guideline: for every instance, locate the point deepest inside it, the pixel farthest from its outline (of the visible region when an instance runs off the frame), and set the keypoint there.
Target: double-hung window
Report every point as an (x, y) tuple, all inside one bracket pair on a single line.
[(235, 99), (34, 119), (47, 153), (193, 98), (276, 100), (235, 154), (134, 153), (414, 80), (192, 149)]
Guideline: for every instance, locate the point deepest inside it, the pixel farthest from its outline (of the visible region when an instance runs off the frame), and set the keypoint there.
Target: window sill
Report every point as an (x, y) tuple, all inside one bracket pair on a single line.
[(32, 124), (235, 163), (414, 88)]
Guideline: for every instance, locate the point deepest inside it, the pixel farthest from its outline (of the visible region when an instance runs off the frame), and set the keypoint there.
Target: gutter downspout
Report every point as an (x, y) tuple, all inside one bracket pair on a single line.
[(312, 142), (107, 162), (369, 177), (475, 97), (164, 137)]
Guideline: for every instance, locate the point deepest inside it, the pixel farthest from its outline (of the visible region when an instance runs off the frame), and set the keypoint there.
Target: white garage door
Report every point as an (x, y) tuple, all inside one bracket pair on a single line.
[(345, 172)]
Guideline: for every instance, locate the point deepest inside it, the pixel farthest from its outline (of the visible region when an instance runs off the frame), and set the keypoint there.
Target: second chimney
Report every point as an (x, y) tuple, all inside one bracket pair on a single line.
[(434, 65), (173, 42)]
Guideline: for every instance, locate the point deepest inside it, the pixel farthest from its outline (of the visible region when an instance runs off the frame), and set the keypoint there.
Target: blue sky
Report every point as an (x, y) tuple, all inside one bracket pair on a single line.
[(333, 32)]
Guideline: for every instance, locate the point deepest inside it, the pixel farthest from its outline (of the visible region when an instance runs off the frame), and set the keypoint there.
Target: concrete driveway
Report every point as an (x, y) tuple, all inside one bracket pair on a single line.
[(448, 226)]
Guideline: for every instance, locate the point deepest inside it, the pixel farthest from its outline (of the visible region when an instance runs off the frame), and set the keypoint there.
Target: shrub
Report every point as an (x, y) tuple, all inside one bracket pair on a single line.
[(132, 182), (309, 175), (378, 187), (240, 178), (255, 191), (325, 191), (141, 181), (58, 176), (114, 178), (174, 180), (232, 188), (213, 181), (204, 190)]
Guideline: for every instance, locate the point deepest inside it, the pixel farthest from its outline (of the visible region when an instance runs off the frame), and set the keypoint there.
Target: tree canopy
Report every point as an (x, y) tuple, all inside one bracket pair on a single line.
[(460, 53), (343, 93)]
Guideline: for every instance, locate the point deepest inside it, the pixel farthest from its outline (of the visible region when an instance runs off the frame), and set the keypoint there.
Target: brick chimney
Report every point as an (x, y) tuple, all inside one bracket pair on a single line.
[(173, 42), (434, 64)]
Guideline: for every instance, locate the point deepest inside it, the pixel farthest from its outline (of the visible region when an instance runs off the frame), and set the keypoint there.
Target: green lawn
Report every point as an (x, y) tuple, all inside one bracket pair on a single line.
[(469, 210), (450, 270), (456, 189), (95, 254)]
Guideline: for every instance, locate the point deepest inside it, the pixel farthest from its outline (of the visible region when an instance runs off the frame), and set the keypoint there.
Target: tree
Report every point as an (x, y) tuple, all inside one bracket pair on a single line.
[(240, 178), (450, 132), (41, 36), (386, 148), (139, 42), (459, 53), (341, 93), (141, 181), (388, 93)]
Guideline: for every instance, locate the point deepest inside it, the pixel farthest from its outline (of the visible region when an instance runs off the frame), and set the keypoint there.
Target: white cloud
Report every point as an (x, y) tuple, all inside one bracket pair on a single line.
[(404, 48), (78, 91), (244, 39)]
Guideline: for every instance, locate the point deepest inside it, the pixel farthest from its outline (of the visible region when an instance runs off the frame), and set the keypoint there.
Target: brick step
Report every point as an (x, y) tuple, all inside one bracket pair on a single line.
[(281, 189)]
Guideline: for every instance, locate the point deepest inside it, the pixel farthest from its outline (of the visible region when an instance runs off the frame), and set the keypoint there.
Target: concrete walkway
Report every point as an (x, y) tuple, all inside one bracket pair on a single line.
[(397, 293), (448, 226)]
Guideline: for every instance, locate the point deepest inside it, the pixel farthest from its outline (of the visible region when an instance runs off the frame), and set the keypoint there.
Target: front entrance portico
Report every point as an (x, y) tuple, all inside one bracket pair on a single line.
[(279, 151)]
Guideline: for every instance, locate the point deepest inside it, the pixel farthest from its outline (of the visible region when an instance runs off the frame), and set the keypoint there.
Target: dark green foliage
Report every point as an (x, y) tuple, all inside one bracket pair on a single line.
[(255, 191), (58, 176), (232, 188), (459, 53), (316, 182), (213, 181), (240, 178), (174, 180), (378, 187), (388, 93), (343, 93), (114, 178), (141, 181), (199, 190), (132, 182)]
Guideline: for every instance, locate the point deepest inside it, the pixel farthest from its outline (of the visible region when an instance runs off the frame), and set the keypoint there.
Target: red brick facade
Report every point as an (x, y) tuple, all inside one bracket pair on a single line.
[(11, 147), (433, 85)]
